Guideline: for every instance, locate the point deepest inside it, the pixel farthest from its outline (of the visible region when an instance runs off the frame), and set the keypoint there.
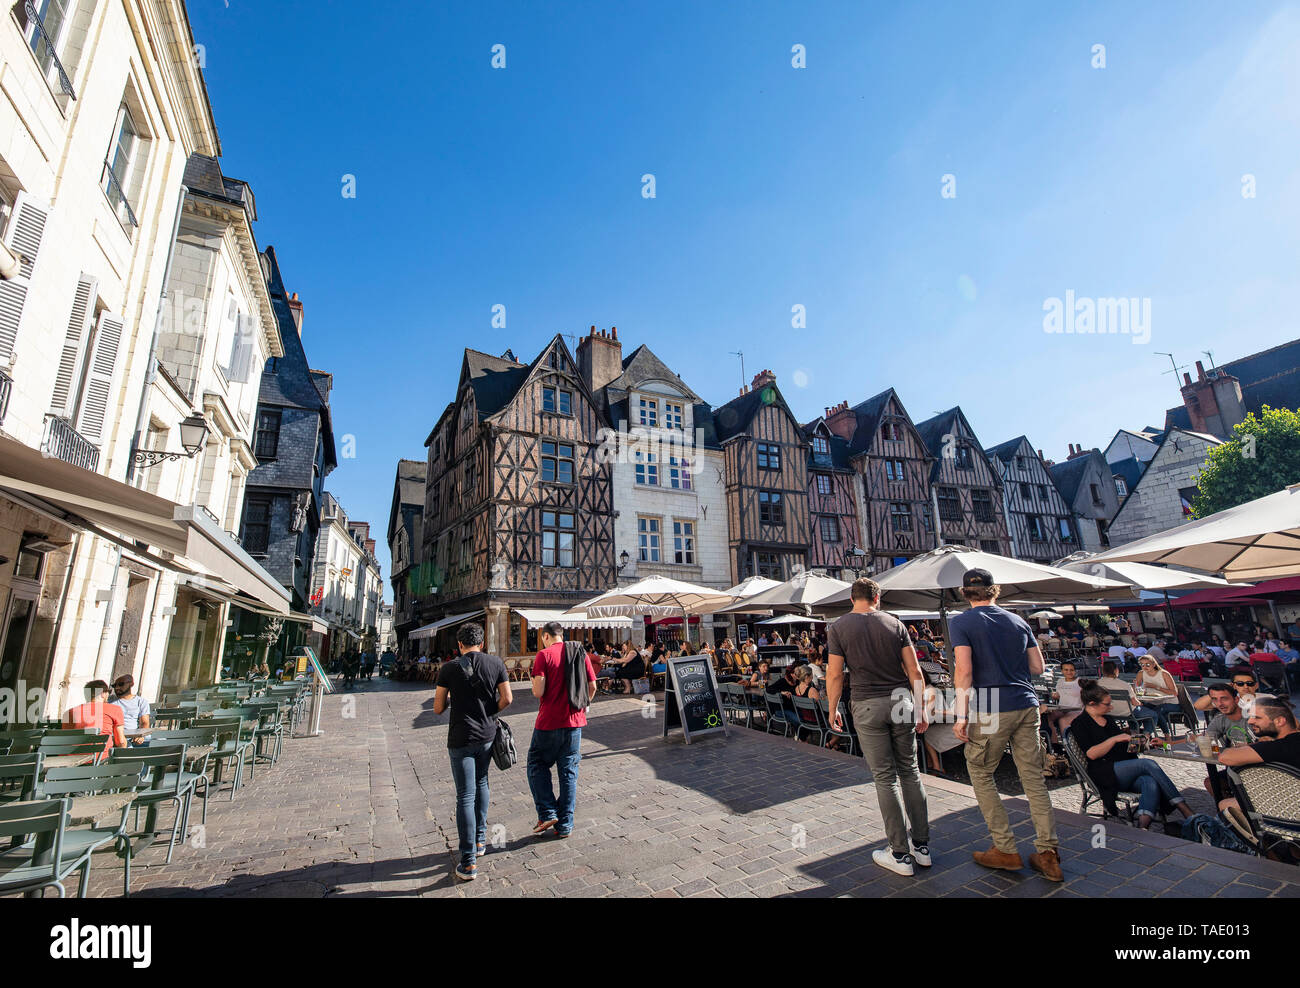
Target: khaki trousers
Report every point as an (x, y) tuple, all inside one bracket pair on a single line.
[(989, 737)]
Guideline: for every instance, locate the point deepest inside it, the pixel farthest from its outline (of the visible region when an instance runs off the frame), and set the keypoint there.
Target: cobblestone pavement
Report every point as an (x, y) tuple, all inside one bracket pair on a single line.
[(367, 809)]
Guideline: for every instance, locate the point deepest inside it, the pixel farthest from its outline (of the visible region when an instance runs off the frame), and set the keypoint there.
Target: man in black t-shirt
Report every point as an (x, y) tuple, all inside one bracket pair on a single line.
[(1278, 740), (478, 689)]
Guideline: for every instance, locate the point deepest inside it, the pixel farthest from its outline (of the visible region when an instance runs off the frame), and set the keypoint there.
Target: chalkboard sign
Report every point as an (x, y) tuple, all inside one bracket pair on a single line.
[(742, 634), (691, 699)]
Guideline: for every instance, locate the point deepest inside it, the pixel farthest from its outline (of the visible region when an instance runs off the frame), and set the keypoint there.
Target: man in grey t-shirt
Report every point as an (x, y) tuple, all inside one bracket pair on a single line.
[(884, 679)]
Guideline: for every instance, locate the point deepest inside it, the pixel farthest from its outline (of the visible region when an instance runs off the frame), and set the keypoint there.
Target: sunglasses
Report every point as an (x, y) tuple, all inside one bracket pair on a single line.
[(1243, 682)]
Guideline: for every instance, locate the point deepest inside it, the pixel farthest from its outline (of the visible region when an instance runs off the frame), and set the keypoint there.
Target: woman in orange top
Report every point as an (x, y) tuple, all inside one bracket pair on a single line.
[(97, 713)]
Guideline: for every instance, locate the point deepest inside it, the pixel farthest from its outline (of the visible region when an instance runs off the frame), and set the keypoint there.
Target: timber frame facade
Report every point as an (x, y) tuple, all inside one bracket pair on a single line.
[(766, 473), (518, 505), (1041, 524), (832, 503), (967, 486)]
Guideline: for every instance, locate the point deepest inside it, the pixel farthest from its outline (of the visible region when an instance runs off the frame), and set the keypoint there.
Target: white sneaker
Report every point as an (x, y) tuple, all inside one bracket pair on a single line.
[(885, 858), (922, 854)]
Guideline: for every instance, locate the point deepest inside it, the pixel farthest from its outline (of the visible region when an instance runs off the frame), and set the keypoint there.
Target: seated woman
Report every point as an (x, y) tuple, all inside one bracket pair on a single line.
[(939, 736), (626, 667), (806, 685), (1162, 692), (1113, 767), (759, 675), (1066, 695)]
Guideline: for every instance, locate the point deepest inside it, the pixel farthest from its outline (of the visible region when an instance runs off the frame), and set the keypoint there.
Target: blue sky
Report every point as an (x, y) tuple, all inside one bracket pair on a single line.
[(775, 187)]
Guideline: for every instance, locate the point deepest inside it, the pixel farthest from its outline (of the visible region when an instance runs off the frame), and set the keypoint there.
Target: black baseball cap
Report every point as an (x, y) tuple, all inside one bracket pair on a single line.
[(977, 578)]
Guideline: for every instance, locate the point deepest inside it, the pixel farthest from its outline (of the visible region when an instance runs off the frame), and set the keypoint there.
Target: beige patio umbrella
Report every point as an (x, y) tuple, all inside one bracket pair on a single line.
[(657, 596), (1142, 576), (1258, 540), (797, 594)]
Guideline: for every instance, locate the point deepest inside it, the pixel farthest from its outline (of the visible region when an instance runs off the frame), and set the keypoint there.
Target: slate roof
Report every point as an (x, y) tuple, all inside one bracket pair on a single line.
[(495, 380), (1006, 451), (1068, 475), (932, 431), (643, 365), (868, 415), (1270, 377), (734, 417), (203, 176), (1130, 470)]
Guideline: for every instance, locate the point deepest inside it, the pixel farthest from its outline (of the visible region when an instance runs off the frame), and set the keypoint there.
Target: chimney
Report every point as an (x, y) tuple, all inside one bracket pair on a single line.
[(1200, 371), (762, 379), (295, 307), (600, 358), (1214, 404), (842, 421), (1187, 380), (1076, 450)]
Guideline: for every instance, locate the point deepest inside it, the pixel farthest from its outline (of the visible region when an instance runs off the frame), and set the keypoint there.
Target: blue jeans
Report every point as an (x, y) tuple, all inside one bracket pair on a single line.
[(1150, 782), (1147, 718), (561, 748), (469, 768), (1162, 711)]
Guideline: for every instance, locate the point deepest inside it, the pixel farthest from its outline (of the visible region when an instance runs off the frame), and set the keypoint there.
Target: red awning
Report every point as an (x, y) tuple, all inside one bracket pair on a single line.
[(1271, 588), (1221, 597)]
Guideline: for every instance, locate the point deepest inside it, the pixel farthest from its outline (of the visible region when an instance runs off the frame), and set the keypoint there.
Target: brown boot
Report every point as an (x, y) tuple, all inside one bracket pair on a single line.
[(1047, 864), (993, 858)]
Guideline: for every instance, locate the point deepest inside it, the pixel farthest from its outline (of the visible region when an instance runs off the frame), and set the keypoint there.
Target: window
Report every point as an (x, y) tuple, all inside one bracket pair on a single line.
[(267, 441), (991, 546), (1067, 529), (1036, 531), (900, 517), (672, 415), (679, 473), (823, 483), (120, 167), (982, 503), (1121, 488), (557, 462), (927, 521), (257, 525), (769, 457), (769, 565), (465, 550), (890, 432), (684, 542), (1026, 492), (54, 15), (1096, 494), (1022, 463), (433, 451), (649, 411), (647, 470), (558, 362), (894, 470), (830, 529), (1042, 491), (647, 530), (770, 511), (556, 400), (820, 446), (470, 477), (949, 504), (557, 538), (964, 460)]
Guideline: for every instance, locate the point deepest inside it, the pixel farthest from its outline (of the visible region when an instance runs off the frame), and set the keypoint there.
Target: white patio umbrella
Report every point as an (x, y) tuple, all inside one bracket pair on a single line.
[(1142, 576), (793, 619), (1258, 540), (936, 578), (751, 586), (657, 596), (797, 594), (1049, 615)]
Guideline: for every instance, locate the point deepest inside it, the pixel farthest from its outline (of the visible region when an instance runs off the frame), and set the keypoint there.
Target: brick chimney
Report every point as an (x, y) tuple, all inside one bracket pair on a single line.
[(762, 379), (1075, 451), (295, 307), (1213, 402), (600, 358), (842, 421)]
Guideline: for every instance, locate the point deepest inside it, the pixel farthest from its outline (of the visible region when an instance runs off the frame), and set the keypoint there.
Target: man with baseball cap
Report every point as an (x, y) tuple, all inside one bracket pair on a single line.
[(994, 655)]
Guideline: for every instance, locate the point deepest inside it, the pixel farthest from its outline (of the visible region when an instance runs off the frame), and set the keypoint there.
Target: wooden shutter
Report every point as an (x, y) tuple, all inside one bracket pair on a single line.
[(69, 374), (98, 392), (26, 230), (241, 357)]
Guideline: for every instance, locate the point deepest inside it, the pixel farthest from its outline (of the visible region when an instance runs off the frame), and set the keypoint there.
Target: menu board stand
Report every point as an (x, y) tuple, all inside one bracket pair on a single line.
[(319, 687), (691, 699)]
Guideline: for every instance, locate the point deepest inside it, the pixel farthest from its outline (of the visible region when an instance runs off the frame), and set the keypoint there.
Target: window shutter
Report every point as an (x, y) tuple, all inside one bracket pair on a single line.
[(26, 230), (241, 357), (99, 378), (83, 310)]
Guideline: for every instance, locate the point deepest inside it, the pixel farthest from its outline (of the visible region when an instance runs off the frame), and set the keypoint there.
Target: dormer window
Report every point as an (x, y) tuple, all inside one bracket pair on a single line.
[(820, 446), (649, 412)]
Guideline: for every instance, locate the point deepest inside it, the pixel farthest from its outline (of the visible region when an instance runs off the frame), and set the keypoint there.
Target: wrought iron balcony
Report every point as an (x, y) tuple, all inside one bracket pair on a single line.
[(42, 39), (65, 443), (6, 387), (117, 196)]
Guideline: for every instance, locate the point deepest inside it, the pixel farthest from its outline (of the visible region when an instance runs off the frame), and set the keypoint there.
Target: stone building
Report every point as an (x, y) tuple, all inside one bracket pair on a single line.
[(405, 519), (1092, 493), (1163, 497)]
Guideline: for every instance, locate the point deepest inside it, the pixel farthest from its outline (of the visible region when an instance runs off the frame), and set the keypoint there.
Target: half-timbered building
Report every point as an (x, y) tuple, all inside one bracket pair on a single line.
[(766, 474), (1041, 523), (832, 503), (518, 506), (967, 486), (895, 520)]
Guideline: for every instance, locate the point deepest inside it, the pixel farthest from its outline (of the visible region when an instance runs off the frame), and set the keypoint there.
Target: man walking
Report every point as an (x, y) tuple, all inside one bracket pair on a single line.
[(478, 689), (564, 680), (995, 652), (883, 681)]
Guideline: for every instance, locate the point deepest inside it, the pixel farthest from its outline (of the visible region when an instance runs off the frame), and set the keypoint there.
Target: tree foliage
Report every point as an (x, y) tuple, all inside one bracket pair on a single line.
[(1262, 457)]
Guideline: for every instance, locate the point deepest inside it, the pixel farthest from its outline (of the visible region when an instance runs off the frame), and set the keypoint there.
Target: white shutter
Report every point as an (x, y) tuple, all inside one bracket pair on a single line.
[(241, 356), (98, 393), (83, 310), (26, 230)]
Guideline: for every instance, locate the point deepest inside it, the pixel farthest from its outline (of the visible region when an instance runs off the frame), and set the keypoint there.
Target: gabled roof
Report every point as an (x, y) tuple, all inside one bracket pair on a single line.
[(734, 417), (1006, 451), (642, 365), (932, 431), (1270, 377), (1130, 470), (495, 380), (408, 489), (869, 414), (1069, 474)]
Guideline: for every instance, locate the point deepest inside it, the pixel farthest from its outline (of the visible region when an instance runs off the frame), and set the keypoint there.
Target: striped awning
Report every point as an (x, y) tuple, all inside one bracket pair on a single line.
[(536, 617)]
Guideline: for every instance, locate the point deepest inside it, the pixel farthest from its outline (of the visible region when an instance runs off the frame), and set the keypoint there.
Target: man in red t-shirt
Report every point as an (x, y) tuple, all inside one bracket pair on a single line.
[(107, 718), (557, 735)]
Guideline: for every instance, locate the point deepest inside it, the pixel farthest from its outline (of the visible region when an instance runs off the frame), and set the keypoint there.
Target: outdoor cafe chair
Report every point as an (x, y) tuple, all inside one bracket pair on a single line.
[(94, 780), (171, 717), (38, 861), (18, 775), (735, 705), (777, 714), (1126, 802), (811, 718), (162, 766), (1272, 676), (235, 743), (847, 731), (52, 746), (1270, 797), (268, 729)]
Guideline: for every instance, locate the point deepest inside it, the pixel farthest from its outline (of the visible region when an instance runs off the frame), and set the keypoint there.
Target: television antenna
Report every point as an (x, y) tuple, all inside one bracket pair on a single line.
[(1172, 363), (741, 355)]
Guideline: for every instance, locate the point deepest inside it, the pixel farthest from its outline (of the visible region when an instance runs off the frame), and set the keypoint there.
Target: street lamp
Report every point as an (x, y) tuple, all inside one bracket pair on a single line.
[(852, 558), (194, 433), (623, 559)]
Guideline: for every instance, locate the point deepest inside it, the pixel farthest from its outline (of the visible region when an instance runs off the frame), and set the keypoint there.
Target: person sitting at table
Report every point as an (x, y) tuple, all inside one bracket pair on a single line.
[(1133, 710), (626, 667), (1229, 725), (804, 684), (1066, 695), (762, 640), (1162, 692), (1278, 743), (939, 737), (817, 665), (1113, 767), (786, 684), (759, 676), (106, 718), (1236, 656), (1290, 663), (135, 708)]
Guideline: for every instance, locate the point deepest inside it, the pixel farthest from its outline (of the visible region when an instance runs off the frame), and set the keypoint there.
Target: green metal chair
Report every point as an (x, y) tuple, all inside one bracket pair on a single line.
[(18, 775), (37, 861), (71, 746), (201, 734), (236, 740), (270, 727), (161, 766), (93, 780)]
